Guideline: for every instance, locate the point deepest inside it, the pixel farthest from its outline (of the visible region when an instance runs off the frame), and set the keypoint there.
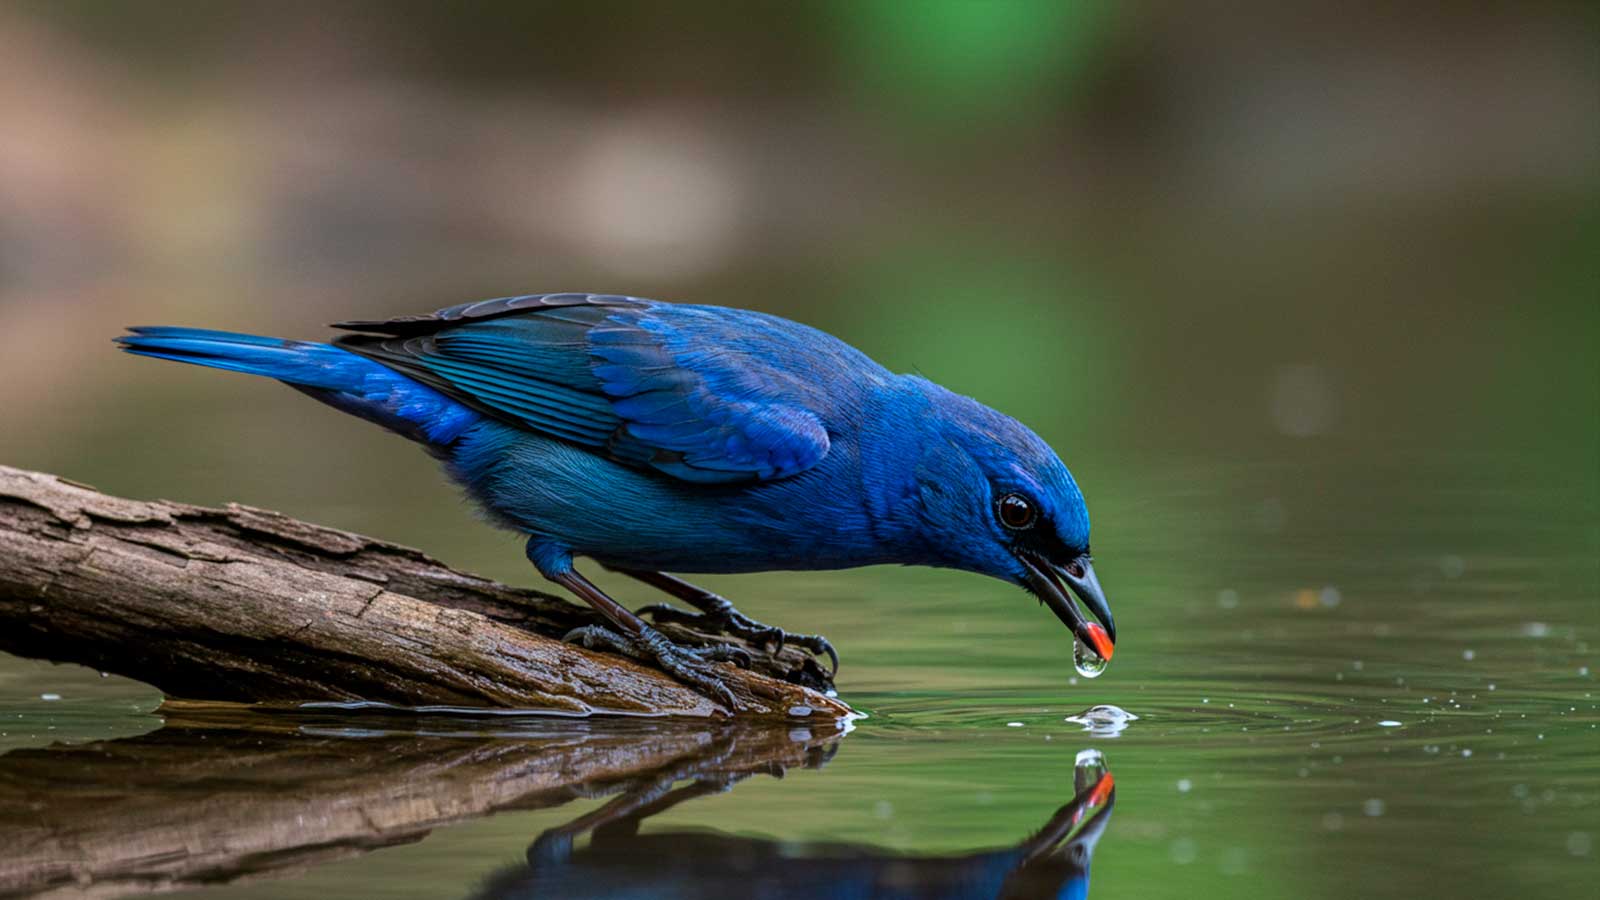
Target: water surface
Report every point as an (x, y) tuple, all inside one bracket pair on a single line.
[(1347, 678)]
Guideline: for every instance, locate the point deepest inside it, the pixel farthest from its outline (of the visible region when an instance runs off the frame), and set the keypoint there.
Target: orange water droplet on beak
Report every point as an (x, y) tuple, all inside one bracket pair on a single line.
[(1099, 640)]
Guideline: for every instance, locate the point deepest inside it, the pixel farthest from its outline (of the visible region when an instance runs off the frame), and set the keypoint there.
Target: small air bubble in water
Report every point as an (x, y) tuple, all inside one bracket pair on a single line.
[(1086, 661), (1388, 723), (49, 696), (1468, 655)]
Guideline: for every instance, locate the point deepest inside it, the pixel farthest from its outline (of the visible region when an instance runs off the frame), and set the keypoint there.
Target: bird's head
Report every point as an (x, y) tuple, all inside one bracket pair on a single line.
[(995, 499)]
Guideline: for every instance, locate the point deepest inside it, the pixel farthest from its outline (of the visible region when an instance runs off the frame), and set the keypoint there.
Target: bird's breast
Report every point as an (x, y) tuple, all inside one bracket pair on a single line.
[(627, 517)]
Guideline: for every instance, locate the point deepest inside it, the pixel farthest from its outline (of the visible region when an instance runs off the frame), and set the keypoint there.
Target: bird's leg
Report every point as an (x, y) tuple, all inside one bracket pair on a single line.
[(634, 638), (619, 819), (718, 616)]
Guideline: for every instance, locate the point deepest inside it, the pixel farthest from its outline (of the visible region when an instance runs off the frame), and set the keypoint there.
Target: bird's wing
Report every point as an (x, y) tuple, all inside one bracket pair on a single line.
[(702, 394)]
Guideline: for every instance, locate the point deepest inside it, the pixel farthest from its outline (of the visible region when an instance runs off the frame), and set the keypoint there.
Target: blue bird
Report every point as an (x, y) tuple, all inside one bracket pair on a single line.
[(654, 437)]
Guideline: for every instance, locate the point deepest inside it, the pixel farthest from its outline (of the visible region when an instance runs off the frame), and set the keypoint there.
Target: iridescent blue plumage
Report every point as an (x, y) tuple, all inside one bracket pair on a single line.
[(701, 393), (351, 383), (654, 436)]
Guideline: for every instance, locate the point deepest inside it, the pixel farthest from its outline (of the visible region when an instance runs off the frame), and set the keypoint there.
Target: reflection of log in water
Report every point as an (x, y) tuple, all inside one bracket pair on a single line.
[(194, 804), (621, 863), (247, 605)]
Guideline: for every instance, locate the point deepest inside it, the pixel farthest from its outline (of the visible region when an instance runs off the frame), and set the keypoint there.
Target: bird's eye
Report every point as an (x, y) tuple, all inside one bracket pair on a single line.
[(1016, 512)]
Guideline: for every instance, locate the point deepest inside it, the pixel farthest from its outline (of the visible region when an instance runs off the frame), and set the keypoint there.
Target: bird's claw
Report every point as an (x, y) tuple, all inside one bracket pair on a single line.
[(691, 665), (818, 646), (723, 618)]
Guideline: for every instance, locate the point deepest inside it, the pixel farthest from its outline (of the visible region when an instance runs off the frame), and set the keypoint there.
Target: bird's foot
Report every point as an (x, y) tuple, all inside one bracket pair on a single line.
[(691, 665), (718, 616)]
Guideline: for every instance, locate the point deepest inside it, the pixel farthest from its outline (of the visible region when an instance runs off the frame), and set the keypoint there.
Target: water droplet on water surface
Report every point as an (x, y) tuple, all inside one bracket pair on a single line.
[(1086, 661), (1104, 720)]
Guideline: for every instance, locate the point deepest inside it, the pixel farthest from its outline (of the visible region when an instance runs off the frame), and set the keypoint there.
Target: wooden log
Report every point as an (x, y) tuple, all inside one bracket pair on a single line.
[(218, 796), (247, 605)]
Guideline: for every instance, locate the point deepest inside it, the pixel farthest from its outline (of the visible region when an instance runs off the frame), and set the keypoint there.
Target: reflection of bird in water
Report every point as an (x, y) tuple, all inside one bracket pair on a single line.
[(651, 436), (620, 863)]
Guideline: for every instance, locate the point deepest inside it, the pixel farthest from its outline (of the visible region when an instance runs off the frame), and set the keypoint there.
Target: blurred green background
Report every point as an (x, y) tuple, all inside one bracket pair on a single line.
[(1142, 229), (1306, 295)]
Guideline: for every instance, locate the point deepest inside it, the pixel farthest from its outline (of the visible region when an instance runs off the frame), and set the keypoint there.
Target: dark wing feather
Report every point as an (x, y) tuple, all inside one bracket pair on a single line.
[(701, 394), (484, 309)]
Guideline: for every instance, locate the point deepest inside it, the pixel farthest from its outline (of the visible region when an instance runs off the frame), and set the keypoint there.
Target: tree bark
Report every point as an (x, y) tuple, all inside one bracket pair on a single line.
[(247, 605)]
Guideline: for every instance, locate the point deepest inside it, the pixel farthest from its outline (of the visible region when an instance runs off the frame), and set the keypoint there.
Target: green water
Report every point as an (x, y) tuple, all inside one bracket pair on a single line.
[(1278, 618)]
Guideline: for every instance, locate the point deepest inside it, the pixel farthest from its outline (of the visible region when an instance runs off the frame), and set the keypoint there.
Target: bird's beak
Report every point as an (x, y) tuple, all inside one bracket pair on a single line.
[(1045, 580), (1087, 587)]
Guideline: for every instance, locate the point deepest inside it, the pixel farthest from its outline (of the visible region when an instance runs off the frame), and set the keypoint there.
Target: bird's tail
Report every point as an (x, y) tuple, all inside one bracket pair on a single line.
[(351, 383)]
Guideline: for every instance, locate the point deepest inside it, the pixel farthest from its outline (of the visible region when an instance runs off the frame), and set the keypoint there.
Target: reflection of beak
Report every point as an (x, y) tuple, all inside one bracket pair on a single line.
[(1044, 579), (1073, 831)]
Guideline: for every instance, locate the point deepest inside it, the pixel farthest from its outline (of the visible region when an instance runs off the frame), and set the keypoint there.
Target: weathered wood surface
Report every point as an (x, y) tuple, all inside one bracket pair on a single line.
[(217, 797), (248, 605)]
